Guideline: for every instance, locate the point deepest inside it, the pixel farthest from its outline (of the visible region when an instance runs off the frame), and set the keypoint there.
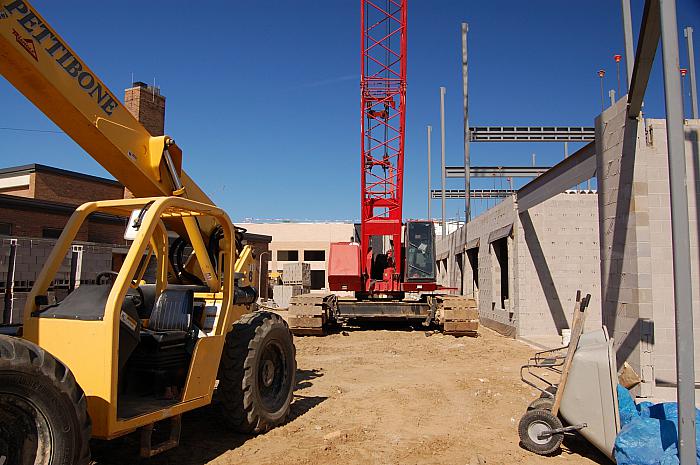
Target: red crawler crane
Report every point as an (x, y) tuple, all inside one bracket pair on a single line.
[(392, 258)]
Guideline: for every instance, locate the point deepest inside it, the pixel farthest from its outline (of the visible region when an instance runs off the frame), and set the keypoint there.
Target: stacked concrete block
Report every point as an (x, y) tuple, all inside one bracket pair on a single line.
[(283, 293), (296, 274), (30, 257), (95, 259)]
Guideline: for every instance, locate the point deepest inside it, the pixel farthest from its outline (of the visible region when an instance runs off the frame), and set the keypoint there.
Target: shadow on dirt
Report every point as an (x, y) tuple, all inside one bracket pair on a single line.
[(576, 445), (204, 437)]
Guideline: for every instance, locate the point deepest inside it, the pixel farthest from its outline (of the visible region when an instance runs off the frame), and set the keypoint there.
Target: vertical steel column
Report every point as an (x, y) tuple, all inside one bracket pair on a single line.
[(682, 284), (467, 165), (442, 154), (688, 32), (629, 39), (430, 130)]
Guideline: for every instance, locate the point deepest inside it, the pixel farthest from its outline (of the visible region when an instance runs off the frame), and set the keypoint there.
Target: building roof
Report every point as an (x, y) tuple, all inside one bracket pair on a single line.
[(25, 203), (36, 167)]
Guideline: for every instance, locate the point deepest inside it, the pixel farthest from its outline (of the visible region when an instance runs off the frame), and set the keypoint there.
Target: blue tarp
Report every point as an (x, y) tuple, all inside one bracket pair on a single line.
[(649, 433)]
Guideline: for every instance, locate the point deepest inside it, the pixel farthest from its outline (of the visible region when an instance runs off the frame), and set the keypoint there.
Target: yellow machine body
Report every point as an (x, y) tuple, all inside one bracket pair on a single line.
[(89, 347), (40, 64)]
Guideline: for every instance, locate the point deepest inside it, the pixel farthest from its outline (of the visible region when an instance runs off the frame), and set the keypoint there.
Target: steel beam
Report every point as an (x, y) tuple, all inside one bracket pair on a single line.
[(531, 134), (629, 40), (475, 193), (497, 171), (688, 32), (680, 234), (570, 172), (649, 35), (465, 90), (442, 154), (430, 131)]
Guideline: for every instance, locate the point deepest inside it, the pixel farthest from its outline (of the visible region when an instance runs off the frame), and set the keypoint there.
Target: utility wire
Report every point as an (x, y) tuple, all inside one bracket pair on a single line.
[(31, 130)]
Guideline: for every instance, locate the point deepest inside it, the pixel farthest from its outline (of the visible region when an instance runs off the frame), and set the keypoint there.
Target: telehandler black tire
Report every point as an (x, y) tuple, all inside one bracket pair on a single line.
[(257, 373), (43, 410)]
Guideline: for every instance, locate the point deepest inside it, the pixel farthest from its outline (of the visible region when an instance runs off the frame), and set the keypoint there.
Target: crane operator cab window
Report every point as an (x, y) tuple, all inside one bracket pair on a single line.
[(420, 251)]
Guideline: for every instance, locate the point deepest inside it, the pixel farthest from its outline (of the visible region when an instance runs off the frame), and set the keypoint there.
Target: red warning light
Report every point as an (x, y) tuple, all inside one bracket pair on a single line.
[(601, 73), (684, 72), (617, 58)]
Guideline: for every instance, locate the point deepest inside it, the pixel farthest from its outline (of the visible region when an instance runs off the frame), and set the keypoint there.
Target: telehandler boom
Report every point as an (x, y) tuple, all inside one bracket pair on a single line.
[(172, 330)]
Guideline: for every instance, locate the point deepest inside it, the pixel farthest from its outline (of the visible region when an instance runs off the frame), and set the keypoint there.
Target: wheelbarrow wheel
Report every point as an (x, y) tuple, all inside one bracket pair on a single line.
[(532, 425), (544, 403)]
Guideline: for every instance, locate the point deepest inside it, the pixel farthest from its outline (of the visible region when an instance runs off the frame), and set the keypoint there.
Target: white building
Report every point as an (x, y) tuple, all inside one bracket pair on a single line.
[(303, 242)]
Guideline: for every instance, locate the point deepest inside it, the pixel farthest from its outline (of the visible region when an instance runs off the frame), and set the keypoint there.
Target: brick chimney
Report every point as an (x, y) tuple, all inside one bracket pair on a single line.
[(147, 105)]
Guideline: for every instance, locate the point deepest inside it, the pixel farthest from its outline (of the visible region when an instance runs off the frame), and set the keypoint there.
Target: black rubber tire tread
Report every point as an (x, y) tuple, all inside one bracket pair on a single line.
[(554, 442), (544, 403), (54, 385), (237, 377)]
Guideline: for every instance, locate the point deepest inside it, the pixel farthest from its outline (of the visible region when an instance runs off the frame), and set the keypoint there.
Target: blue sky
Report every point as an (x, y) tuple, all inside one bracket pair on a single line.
[(263, 97)]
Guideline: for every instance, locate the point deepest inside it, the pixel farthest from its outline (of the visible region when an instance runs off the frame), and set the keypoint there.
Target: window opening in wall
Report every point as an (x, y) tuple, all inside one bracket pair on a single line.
[(473, 262), (318, 279), (51, 233), (314, 255), (500, 248), (459, 260), (288, 255), (5, 229), (444, 275)]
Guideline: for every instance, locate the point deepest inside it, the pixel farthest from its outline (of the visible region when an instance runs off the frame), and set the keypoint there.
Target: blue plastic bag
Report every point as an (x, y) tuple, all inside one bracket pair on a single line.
[(627, 407), (649, 434), (647, 441)]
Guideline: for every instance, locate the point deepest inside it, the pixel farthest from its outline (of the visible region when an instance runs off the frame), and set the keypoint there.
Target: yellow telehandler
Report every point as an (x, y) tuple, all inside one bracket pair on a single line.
[(172, 331)]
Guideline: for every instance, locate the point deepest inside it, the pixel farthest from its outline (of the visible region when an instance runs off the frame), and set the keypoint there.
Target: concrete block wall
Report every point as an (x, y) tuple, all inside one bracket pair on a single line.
[(624, 236), (553, 251), (636, 251), (558, 254), (661, 340), (480, 228), (30, 257)]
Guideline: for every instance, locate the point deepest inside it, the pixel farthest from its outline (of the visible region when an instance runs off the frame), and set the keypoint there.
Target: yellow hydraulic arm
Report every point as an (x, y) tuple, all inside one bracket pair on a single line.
[(39, 63)]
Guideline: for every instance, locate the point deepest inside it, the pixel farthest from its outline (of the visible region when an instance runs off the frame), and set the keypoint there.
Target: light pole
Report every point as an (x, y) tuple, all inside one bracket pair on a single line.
[(601, 75), (617, 60), (260, 271), (683, 74), (430, 131)]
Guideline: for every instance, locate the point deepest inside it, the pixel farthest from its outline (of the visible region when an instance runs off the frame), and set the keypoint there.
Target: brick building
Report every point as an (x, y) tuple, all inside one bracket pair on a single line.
[(36, 202)]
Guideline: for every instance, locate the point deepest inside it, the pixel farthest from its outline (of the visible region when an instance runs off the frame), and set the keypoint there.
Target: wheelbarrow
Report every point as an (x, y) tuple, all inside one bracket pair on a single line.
[(578, 386)]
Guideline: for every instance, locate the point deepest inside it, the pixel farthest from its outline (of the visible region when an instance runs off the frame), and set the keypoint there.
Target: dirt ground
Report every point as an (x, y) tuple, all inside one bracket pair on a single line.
[(382, 397)]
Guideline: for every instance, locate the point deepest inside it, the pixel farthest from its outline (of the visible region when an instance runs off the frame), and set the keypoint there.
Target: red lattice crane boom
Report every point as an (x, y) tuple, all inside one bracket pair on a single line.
[(383, 107)]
